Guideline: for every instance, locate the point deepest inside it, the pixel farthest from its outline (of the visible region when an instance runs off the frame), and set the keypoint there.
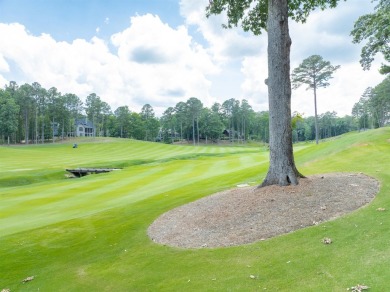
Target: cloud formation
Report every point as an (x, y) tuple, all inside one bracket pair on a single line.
[(152, 62)]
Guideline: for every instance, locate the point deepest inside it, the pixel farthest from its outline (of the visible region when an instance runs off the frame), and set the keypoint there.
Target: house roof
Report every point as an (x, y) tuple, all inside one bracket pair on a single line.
[(84, 123)]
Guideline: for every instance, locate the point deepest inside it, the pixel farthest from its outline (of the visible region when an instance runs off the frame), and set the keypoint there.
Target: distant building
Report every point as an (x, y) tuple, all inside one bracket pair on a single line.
[(84, 128), (167, 134), (232, 134)]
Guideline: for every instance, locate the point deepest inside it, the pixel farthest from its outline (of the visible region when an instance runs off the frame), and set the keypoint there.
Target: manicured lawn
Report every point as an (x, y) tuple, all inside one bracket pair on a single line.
[(89, 234)]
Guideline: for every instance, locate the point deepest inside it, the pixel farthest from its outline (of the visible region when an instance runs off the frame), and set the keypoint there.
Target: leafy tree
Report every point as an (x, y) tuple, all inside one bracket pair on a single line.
[(122, 115), (104, 117), (375, 28), (379, 103), (93, 109), (8, 115), (261, 126), (56, 109), (309, 128), (307, 131), (211, 125), (230, 109), (14, 90), (180, 113), (39, 96), (151, 124), (373, 108), (360, 109), (246, 114), (168, 123), (327, 123), (97, 111), (26, 105), (194, 107), (344, 125), (296, 118), (315, 72), (112, 126), (216, 108), (137, 126), (272, 16), (73, 108), (295, 121)]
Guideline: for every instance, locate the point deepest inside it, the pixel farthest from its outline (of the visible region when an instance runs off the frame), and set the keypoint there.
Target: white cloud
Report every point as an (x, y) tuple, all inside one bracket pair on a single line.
[(162, 65), (254, 88), (3, 80), (223, 44), (71, 67), (4, 67), (154, 64), (325, 33), (344, 91), (165, 63), (234, 51)]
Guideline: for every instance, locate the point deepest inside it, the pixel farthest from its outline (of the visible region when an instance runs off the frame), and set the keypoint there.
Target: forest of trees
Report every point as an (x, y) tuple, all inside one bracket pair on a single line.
[(31, 114), (373, 108)]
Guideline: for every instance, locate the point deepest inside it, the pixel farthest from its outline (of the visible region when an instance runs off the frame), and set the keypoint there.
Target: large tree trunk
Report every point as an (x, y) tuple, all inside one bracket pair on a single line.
[(282, 170)]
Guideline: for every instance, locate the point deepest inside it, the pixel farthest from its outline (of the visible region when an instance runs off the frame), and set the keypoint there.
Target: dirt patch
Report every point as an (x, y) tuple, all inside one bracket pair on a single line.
[(248, 214)]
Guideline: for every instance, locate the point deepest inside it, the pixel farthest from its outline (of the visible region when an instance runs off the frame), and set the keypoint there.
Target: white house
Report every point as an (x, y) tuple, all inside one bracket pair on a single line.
[(84, 128)]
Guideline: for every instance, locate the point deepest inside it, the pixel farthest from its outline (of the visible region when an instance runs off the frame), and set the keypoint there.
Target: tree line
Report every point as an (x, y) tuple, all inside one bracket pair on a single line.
[(32, 114), (373, 108)]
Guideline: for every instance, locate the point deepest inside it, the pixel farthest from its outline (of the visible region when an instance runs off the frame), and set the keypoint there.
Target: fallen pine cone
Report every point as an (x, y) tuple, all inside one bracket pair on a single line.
[(28, 279), (327, 240)]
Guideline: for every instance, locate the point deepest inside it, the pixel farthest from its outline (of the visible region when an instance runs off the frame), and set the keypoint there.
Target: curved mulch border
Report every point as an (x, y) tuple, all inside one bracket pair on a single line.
[(245, 215)]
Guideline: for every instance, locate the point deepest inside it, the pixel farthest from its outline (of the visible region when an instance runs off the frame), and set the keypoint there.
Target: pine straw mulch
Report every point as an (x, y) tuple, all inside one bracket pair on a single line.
[(249, 214)]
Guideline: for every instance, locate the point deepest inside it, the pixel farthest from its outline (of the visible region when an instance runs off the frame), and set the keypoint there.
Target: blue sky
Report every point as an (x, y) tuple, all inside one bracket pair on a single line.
[(164, 51), (66, 20)]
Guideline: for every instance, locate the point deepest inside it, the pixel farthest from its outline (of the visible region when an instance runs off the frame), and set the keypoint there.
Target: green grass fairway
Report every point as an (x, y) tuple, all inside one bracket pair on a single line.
[(89, 234)]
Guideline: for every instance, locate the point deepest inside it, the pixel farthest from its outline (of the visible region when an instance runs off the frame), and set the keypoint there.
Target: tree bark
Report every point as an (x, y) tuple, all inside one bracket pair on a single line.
[(282, 170)]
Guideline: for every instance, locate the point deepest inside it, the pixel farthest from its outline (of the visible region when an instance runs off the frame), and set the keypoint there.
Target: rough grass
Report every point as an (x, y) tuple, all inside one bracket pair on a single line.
[(89, 234)]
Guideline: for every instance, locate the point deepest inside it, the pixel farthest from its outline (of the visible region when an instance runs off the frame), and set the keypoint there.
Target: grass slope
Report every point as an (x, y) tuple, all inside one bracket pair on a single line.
[(89, 234)]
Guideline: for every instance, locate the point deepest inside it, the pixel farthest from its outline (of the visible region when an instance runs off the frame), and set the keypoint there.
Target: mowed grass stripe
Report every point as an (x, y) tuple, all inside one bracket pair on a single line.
[(137, 189), (64, 156), (73, 190), (81, 197)]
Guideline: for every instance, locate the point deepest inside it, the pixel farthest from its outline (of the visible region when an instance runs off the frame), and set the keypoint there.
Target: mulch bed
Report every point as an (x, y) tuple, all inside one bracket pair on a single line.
[(248, 214)]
